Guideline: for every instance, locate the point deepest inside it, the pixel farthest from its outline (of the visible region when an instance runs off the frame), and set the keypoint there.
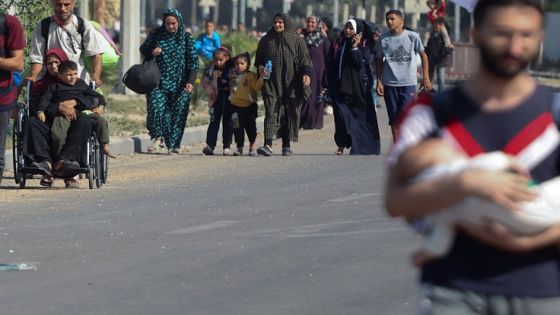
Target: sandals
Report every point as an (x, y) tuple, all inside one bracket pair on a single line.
[(46, 181), (66, 169), (156, 145), (339, 151), (71, 183)]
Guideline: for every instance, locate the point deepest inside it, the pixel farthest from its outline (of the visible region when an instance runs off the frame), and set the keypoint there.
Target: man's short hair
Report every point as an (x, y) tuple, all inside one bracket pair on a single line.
[(395, 12), (483, 6), (67, 65)]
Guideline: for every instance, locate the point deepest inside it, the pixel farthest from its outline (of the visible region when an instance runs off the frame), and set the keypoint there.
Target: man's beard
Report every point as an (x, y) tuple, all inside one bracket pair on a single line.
[(493, 63)]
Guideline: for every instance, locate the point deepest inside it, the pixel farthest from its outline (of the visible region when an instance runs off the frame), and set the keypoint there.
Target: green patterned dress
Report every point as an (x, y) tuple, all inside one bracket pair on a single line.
[(168, 104)]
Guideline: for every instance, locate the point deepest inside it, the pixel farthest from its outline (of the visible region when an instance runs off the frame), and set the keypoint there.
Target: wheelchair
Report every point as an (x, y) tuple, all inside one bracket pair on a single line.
[(95, 164)]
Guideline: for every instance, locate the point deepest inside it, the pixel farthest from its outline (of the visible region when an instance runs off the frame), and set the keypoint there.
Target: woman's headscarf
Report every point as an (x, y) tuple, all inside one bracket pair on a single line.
[(288, 54), (180, 33), (41, 85), (315, 38), (172, 62)]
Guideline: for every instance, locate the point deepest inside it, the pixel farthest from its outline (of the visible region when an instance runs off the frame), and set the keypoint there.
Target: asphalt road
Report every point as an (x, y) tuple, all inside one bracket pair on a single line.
[(191, 234)]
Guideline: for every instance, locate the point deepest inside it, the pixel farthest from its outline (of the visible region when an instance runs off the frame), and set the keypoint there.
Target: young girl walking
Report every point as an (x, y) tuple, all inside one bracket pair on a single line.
[(215, 82), (244, 86)]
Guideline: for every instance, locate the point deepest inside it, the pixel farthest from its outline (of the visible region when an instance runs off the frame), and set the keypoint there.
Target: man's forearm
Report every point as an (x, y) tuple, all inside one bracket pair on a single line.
[(97, 67), (12, 63), (35, 70)]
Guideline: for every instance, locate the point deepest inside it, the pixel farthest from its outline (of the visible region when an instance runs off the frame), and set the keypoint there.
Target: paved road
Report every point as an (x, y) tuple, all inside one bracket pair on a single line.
[(191, 234)]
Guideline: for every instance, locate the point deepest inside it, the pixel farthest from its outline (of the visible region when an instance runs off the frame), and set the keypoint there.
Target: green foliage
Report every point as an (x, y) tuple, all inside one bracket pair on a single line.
[(30, 13)]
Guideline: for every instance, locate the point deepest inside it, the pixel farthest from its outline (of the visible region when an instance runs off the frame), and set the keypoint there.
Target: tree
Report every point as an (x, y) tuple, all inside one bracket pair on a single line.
[(30, 13)]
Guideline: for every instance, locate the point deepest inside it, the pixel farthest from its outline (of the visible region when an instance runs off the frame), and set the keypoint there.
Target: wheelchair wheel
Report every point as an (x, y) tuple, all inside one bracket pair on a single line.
[(90, 174), (17, 146), (97, 168), (21, 180)]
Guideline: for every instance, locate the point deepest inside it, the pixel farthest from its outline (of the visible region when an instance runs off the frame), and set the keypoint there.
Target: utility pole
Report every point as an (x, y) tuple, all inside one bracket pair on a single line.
[(83, 9), (242, 9), (130, 37), (457, 22), (336, 13), (234, 4)]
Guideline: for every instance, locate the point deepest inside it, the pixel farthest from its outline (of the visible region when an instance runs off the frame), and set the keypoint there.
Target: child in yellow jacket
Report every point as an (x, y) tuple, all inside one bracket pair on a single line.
[(244, 86)]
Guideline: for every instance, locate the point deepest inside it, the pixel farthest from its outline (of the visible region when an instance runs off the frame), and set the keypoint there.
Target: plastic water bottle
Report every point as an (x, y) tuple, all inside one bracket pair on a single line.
[(267, 69)]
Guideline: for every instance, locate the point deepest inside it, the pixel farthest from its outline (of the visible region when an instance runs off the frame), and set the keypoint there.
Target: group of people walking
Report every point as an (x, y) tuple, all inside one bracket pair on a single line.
[(296, 74)]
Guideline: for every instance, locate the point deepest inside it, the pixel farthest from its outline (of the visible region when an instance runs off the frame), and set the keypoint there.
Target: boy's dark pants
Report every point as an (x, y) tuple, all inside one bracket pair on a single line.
[(247, 124), (60, 126), (221, 112)]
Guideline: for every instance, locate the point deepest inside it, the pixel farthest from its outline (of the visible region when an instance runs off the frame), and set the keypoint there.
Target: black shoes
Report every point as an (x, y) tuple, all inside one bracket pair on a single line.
[(287, 152)]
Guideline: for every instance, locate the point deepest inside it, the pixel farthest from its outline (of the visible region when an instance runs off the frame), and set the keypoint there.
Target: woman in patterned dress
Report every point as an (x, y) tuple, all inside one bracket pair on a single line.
[(168, 104)]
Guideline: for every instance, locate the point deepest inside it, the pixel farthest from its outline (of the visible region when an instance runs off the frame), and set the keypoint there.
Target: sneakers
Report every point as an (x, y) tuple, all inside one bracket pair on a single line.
[(264, 150), (208, 150), (238, 152), (287, 152), (227, 152), (252, 153), (174, 151)]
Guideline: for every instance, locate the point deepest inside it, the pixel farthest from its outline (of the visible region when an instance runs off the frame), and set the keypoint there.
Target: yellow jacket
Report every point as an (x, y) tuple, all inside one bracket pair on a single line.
[(244, 88)]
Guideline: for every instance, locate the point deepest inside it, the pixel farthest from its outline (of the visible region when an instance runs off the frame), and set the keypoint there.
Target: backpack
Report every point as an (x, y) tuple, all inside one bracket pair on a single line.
[(109, 58)]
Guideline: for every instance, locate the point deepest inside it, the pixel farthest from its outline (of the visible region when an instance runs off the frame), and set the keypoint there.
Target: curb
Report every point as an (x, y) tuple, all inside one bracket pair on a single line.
[(140, 143)]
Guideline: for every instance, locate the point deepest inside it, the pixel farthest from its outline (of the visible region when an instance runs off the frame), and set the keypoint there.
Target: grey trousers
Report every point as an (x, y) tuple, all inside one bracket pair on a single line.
[(436, 300), (4, 121)]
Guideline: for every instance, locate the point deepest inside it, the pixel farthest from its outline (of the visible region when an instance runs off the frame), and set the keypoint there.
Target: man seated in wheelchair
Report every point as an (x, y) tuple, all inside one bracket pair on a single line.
[(90, 104)]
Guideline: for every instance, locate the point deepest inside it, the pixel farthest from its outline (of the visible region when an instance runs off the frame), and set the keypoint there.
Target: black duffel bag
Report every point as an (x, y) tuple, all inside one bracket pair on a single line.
[(142, 78)]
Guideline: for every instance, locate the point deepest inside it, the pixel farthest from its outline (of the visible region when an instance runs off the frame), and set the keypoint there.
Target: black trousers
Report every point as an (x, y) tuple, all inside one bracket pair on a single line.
[(37, 141), (222, 112), (247, 124), (76, 139)]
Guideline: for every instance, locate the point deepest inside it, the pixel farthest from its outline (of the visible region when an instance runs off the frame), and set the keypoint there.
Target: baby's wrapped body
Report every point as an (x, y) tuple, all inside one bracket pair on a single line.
[(438, 229)]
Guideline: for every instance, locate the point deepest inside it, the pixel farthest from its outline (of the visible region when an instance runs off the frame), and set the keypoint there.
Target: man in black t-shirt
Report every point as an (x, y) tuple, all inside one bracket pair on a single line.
[(489, 270)]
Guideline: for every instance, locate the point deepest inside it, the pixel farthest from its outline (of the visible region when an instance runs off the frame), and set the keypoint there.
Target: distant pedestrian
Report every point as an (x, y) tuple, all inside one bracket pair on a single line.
[(396, 66), (215, 81), (438, 53), (207, 42), (349, 84), (168, 104), (318, 45), (289, 83)]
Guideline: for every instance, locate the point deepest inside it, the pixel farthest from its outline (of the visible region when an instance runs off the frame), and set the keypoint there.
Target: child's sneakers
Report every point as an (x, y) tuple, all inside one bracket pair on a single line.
[(238, 152), (227, 152)]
